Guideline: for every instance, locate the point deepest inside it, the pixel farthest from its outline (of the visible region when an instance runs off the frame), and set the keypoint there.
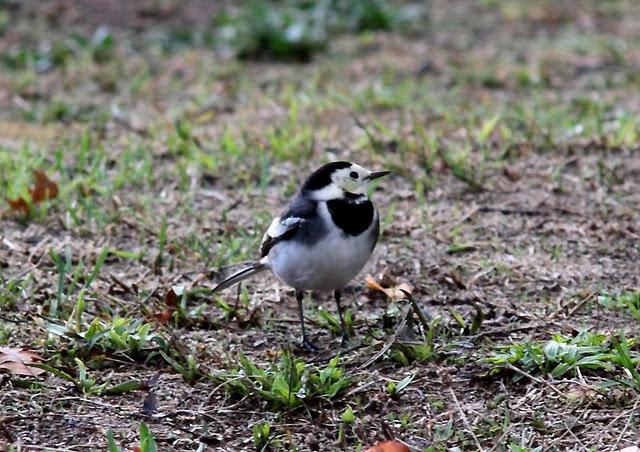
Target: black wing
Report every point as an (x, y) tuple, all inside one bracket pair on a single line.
[(299, 213)]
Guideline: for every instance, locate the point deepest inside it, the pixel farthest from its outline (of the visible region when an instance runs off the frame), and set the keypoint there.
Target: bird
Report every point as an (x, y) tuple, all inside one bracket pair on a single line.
[(322, 239)]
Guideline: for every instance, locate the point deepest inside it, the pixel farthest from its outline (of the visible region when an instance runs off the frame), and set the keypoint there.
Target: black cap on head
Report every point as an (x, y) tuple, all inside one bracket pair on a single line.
[(321, 177)]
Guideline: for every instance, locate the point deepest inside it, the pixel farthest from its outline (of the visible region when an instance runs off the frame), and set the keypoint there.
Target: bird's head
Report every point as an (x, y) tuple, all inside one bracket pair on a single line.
[(336, 179)]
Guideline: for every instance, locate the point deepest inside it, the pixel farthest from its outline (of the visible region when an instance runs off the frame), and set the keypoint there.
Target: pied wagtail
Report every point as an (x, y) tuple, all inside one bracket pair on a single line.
[(324, 237)]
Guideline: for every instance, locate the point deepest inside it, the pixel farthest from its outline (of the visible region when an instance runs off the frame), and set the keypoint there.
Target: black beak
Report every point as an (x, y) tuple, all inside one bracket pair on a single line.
[(377, 174)]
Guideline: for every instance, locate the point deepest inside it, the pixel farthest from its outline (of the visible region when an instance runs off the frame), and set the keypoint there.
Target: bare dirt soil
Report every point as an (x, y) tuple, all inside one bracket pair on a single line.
[(513, 213)]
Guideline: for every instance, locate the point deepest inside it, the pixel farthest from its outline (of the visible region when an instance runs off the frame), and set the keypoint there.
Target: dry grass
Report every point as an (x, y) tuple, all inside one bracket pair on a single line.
[(513, 212)]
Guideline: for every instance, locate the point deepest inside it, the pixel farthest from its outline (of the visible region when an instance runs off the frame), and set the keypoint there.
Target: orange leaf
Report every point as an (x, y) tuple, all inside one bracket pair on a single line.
[(173, 295), (171, 300), (16, 361), (164, 316), (19, 204), (394, 293), (373, 284), (43, 189), (389, 446)]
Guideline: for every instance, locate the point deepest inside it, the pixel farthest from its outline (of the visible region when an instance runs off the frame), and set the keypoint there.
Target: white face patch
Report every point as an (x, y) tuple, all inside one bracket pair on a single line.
[(353, 179), (331, 191)]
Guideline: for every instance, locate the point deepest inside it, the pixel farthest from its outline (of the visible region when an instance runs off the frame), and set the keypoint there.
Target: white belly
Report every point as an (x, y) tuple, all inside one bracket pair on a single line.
[(327, 265)]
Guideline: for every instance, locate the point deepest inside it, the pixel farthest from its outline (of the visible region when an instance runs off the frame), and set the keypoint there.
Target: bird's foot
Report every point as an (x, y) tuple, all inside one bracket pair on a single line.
[(344, 340), (309, 346)]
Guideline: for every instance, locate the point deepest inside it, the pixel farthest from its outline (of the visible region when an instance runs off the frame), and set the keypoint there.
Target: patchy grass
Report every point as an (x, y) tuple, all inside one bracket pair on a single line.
[(288, 384), (296, 31), (587, 352), (512, 132), (628, 302)]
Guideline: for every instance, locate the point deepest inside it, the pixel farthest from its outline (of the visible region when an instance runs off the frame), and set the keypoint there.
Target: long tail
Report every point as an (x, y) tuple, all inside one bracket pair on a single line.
[(241, 275)]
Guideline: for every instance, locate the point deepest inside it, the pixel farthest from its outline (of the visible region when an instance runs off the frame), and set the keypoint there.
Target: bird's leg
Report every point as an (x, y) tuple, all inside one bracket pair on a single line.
[(306, 343), (337, 295)]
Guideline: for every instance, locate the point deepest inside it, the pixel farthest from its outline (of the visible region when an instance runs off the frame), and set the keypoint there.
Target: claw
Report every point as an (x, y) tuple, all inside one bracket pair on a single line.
[(309, 346)]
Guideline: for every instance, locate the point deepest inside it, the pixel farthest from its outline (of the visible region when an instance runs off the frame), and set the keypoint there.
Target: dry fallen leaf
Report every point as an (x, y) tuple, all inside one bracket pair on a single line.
[(394, 293), (15, 132), (16, 361), (171, 300), (43, 189), (173, 295), (389, 446), (512, 174), (150, 404), (580, 393), (164, 316)]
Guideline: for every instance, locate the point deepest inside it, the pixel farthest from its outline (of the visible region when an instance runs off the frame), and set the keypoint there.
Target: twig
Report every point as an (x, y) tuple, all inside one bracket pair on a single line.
[(222, 385), (502, 437), (359, 389), (507, 329), (142, 303), (424, 319), (471, 212), (375, 143), (28, 270), (327, 358), (477, 276), (591, 296), (120, 283), (5, 431), (573, 435), (390, 342), (464, 419), (607, 428), (507, 211), (536, 379), (626, 426), (118, 118), (566, 431), (14, 320), (46, 448), (573, 310), (461, 174), (527, 212)]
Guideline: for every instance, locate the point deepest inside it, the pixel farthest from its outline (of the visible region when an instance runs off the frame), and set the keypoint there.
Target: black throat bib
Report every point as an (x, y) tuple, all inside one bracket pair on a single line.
[(353, 214)]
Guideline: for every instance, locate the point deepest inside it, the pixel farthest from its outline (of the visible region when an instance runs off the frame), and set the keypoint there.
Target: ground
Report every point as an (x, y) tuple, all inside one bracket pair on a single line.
[(512, 129)]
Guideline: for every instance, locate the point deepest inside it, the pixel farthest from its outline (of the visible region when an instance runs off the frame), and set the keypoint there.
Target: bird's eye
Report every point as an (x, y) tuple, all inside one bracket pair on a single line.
[(353, 175)]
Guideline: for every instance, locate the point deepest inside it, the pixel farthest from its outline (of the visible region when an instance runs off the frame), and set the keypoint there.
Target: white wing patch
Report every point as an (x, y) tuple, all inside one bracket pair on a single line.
[(273, 227), (278, 227), (276, 231)]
